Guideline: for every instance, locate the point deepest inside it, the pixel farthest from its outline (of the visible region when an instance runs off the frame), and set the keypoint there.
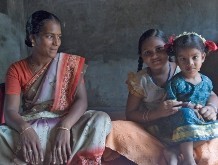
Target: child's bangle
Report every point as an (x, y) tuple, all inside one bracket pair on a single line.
[(213, 105)]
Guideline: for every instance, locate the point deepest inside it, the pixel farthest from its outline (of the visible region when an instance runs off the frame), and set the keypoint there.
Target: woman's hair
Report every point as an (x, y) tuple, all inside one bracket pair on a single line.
[(187, 41), (35, 23), (147, 34)]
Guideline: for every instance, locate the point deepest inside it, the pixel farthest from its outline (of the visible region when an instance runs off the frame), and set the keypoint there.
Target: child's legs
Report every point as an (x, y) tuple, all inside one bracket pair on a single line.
[(171, 155), (186, 149)]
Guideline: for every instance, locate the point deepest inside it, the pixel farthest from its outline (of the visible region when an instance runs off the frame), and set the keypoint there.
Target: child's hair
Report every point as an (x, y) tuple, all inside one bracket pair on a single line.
[(187, 41), (147, 34)]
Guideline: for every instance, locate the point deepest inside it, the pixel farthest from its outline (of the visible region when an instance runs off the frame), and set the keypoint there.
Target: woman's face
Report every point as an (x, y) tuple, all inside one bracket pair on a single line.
[(153, 53), (190, 61), (48, 40)]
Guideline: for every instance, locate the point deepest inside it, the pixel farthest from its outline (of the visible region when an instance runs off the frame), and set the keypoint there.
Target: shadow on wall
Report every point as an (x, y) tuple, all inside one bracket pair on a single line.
[(210, 69), (9, 44)]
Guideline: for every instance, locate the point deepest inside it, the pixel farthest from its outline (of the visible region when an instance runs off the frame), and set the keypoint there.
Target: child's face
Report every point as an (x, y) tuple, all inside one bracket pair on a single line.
[(153, 53), (190, 61)]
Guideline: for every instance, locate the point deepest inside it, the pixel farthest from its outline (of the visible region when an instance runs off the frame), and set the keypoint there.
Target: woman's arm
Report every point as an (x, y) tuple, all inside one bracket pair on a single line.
[(61, 148), (77, 109), (11, 112), (134, 113), (31, 147)]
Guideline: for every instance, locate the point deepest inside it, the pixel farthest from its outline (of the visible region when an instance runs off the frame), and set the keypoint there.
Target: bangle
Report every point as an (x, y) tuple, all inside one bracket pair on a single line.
[(147, 117), (143, 117), (213, 105), (25, 129), (63, 128), (188, 104)]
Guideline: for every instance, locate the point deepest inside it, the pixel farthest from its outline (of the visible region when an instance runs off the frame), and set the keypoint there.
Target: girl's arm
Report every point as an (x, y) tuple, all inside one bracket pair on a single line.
[(209, 111), (132, 109), (134, 113), (213, 100)]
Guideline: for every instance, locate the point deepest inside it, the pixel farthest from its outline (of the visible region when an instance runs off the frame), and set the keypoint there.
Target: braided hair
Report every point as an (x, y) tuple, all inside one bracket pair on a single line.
[(147, 34), (35, 23)]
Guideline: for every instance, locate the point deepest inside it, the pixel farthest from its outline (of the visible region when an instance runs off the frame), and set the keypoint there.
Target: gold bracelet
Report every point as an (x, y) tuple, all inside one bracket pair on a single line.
[(25, 129), (63, 128)]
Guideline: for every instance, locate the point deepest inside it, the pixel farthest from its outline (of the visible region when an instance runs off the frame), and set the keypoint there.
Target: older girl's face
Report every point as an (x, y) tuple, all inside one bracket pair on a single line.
[(153, 53), (48, 40)]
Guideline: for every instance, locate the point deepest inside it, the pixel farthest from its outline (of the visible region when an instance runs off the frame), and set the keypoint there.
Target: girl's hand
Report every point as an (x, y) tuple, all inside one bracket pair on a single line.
[(31, 147), (61, 146), (198, 106), (169, 107), (208, 113)]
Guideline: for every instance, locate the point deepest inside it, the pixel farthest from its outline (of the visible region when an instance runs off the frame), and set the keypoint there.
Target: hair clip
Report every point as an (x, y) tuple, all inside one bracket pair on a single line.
[(210, 45), (189, 33)]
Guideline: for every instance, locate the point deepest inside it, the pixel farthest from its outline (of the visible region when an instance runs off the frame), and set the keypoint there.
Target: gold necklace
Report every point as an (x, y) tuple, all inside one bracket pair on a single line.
[(32, 65), (168, 76)]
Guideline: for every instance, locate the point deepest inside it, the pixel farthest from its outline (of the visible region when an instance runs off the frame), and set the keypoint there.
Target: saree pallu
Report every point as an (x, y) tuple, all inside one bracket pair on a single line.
[(47, 98)]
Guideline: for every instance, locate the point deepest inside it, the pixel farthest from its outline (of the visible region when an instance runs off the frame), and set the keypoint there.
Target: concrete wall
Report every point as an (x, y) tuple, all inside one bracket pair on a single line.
[(11, 34), (106, 32)]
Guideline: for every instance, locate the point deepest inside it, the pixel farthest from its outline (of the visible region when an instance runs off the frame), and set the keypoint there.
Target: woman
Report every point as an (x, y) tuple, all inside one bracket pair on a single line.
[(146, 104), (53, 126)]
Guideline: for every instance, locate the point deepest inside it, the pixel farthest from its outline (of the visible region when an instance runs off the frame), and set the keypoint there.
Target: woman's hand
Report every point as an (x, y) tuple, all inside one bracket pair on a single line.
[(61, 146), (31, 147), (208, 113), (169, 107)]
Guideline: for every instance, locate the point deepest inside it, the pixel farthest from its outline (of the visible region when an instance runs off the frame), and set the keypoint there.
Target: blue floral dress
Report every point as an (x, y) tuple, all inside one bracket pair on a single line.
[(185, 125)]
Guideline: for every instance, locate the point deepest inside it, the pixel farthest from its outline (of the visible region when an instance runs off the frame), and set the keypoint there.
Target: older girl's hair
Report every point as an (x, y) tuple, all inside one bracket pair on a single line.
[(35, 23), (147, 34)]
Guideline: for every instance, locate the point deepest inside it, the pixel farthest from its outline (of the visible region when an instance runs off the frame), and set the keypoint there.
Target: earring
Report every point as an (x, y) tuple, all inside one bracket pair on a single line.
[(33, 44)]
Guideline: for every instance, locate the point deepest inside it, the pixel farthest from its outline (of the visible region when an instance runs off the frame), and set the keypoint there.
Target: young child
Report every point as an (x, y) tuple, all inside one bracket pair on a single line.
[(192, 88)]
